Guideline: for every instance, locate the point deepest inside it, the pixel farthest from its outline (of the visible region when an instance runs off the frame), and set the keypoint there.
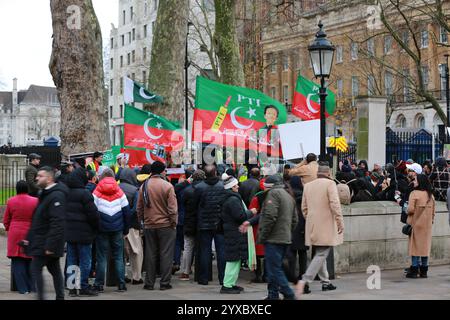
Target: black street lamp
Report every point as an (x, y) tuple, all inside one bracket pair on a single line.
[(321, 52), (187, 63)]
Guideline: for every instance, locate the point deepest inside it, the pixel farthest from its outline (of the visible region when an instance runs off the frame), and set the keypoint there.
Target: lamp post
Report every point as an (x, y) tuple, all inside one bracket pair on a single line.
[(447, 95), (321, 52), (187, 63)]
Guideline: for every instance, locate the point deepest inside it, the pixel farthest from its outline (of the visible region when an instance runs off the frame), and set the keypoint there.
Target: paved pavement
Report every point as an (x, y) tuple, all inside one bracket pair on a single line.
[(393, 284)]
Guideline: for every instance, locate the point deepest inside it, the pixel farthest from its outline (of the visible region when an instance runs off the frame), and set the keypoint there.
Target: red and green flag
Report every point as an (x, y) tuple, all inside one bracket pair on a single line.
[(136, 92), (146, 130), (224, 112), (306, 104), (140, 156)]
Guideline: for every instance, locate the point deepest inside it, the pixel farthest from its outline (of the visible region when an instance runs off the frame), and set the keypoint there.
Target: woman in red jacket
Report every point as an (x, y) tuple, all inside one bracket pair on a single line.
[(17, 220)]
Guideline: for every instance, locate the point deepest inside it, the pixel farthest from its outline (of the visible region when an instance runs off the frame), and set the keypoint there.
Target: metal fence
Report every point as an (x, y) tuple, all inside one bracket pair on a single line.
[(51, 156), (9, 175), (350, 154)]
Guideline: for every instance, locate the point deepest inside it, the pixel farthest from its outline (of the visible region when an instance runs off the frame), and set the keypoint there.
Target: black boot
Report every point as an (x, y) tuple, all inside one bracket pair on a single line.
[(423, 271), (412, 272)]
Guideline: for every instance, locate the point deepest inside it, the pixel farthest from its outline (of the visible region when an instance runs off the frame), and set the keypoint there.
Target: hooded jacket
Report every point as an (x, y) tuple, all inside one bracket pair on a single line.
[(113, 206), (128, 184), (47, 228), (190, 209), (82, 217)]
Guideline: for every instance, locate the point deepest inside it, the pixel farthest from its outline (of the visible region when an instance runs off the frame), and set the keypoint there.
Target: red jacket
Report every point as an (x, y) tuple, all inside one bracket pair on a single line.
[(258, 247), (17, 220)]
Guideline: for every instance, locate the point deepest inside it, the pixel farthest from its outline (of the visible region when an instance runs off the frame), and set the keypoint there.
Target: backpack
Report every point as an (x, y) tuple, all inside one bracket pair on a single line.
[(345, 195)]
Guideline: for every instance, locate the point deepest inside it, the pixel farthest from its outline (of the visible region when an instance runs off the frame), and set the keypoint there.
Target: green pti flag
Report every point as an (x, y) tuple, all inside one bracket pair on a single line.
[(223, 112), (135, 92), (109, 156), (143, 129), (306, 103)]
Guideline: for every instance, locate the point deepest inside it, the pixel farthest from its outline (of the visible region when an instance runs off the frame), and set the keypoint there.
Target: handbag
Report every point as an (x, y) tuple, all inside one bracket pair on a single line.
[(407, 229), (404, 214)]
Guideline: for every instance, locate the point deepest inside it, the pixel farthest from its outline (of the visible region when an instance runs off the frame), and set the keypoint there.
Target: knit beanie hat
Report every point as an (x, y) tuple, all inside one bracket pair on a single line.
[(346, 168), (230, 182), (198, 175), (272, 181)]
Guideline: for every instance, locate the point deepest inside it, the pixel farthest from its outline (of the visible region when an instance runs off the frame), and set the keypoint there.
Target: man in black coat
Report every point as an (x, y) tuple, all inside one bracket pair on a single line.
[(45, 240), (250, 187), (81, 228), (208, 199)]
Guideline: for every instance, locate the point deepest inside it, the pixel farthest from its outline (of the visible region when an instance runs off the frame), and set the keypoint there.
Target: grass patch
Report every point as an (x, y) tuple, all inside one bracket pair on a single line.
[(5, 194)]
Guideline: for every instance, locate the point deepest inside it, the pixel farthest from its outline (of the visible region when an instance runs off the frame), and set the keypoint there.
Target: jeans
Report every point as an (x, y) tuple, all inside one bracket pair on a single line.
[(179, 244), (104, 242), (205, 254), (80, 255), (276, 278), (416, 261), (22, 274), (54, 268), (187, 254)]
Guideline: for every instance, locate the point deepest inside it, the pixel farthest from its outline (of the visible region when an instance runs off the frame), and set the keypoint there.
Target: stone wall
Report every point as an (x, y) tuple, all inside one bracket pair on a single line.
[(373, 236)]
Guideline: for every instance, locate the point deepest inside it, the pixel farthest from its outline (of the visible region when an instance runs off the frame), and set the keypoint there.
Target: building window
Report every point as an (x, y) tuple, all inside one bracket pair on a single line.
[(110, 112), (354, 50), (121, 111), (406, 86), (145, 31), (273, 63), (340, 88), (424, 39), (155, 5), (285, 93), (133, 76), (133, 56), (371, 47), (355, 86), (443, 35), (420, 121), (124, 16), (285, 63), (131, 13), (273, 92), (401, 121), (121, 85), (112, 43), (123, 40), (111, 87), (425, 76), (144, 78), (339, 54), (111, 63), (405, 39), (153, 27), (129, 37), (370, 85), (144, 54), (387, 44), (443, 82), (121, 61), (388, 83), (128, 58), (145, 9), (134, 34)]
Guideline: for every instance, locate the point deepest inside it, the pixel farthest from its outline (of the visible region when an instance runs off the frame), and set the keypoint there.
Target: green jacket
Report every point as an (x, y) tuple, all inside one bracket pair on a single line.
[(30, 177), (278, 217)]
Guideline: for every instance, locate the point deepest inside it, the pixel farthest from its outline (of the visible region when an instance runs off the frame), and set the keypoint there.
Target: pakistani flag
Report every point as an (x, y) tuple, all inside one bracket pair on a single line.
[(146, 130), (306, 103), (135, 92)]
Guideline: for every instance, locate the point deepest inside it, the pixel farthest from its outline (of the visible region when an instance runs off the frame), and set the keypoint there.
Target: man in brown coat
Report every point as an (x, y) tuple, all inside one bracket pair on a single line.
[(307, 169), (324, 225), (157, 207)]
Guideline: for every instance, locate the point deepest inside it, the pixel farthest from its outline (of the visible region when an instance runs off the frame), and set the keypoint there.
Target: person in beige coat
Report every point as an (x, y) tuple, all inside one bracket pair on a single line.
[(421, 211), (307, 169), (324, 226)]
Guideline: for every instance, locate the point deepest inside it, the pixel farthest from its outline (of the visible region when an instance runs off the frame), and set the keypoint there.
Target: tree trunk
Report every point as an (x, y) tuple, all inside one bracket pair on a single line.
[(76, 65), (167, 60), (226, 42)]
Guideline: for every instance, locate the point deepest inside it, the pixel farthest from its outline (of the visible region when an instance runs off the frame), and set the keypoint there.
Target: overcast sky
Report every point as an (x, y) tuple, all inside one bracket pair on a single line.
[(26, 43)]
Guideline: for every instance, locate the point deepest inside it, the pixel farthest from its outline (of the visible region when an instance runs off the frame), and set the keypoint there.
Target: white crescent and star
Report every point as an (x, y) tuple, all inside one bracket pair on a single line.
[(148, 156), (143, 95), (147, 131), (236, 123), (308, 103)]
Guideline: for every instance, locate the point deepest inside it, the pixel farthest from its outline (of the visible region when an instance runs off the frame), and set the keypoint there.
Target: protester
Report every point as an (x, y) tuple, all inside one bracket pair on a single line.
[(133, 240), (440, 179), (277, 222), (96, 162), (121, 163), (307, 169), (250, 187), (421, 212), (209, 195), (190, 223), (92, 181), (402, 196), (65, 171), (45, 240), (233, 215), (324, 226), (17, 220), (157, 206), (114, 210), (31, 173), (144, 174), (81, 228), (347, 176)]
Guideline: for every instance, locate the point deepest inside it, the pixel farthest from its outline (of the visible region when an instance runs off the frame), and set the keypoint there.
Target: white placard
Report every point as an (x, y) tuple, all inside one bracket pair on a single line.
[(300, 138)]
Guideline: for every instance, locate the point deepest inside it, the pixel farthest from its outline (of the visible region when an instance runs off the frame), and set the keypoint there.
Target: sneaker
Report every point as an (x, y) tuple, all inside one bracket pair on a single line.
[(229, 290), (88, 292), (184, 277), (140, 281), (306, 290), (147, 287), (328, 287), (73, 293), (121, 288), (99, 289), (127, 280), (175, 268), (238, 288), (165, 287)]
